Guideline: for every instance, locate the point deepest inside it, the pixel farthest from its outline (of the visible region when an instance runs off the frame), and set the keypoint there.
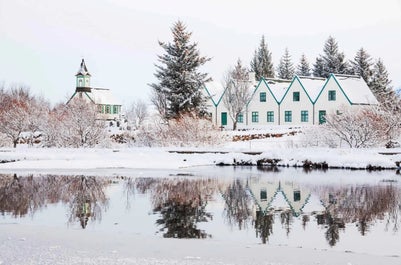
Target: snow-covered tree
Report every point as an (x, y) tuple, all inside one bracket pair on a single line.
[(362, 65), (16, 107), (80, 124), (262, 62), (179, 79), (137, 113), (332, 61), (358, 128), (381, 88), (285, 69), (303, 68), (237, 91)]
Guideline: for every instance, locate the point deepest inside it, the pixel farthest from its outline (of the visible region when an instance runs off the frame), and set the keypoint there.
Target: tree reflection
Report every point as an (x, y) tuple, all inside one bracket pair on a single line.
[(264, 225), (237, 208), (181, 204), (84, 195)]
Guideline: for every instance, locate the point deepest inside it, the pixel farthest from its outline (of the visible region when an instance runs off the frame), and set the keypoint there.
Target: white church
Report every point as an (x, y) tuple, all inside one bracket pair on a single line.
[(296, 102), (109, 108)]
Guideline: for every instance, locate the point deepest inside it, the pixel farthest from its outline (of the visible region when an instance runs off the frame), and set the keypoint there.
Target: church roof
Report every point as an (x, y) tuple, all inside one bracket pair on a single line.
[(103, 96), (82, 69)]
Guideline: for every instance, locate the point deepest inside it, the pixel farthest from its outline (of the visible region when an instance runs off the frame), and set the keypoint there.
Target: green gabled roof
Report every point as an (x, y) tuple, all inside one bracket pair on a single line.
[(262, 80), (211, 97), (288, 89), (332, 76)]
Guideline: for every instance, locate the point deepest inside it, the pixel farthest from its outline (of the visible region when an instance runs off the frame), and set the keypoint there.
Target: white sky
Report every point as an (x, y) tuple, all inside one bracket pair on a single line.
[(42, 41)]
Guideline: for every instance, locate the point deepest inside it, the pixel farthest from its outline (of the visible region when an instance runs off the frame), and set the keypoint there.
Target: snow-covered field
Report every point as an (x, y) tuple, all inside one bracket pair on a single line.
[(25, 244)]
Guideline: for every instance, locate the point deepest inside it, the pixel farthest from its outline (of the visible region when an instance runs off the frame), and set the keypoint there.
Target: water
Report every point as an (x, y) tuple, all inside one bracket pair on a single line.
[(354, 211)]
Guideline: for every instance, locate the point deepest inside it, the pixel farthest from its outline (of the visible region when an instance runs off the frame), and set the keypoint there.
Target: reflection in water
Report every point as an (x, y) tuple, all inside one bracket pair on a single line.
[(84, 195), (181, 204), (237, 208)]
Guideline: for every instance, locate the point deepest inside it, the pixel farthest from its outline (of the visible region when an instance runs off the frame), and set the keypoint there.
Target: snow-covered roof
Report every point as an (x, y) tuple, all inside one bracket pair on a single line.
[(312, 86), (82, 69), (278, 87), (103, 96), (356, 89), (215, 90)]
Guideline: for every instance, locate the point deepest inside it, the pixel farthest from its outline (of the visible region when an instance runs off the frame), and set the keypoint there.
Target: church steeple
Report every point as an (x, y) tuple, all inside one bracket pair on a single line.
[(83, 78)]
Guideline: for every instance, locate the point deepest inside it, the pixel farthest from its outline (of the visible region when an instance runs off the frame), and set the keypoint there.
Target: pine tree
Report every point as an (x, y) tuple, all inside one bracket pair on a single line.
[(362, 65), (303, 68), (381, 88), (262, 63), (180, 82), (332, 61), (285, 69)]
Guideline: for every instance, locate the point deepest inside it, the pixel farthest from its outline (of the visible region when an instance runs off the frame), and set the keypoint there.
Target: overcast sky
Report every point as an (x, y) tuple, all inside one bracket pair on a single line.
[(43, 41)]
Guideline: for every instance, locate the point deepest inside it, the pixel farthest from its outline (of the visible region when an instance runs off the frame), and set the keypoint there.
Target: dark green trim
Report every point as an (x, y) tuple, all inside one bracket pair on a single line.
[(302, 86), (332, 76), (268, 89)]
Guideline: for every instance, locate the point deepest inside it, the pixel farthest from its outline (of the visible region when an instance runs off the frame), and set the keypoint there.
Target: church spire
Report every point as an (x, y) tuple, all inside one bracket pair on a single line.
[(82, 69)]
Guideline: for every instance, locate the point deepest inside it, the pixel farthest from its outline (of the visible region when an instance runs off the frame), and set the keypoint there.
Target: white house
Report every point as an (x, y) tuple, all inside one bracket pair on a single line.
[(108, 106), (300, 101)]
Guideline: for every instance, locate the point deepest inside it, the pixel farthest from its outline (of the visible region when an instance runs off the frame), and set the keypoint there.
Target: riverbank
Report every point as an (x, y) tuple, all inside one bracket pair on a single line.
[(48, 159)]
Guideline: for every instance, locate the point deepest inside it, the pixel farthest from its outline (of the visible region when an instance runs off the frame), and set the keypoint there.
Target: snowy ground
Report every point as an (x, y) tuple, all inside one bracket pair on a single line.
[(24, 244)]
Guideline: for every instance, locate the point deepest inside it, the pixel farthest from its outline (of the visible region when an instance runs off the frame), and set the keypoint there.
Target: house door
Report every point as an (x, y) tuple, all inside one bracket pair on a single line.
[(322, 116), (224, 118)]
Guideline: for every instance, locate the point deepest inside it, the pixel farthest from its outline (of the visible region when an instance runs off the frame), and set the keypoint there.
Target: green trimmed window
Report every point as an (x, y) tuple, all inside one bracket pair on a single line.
[(115, 109), (288, 116), (295, 96), (108, 109), (304, 116), (270, 116), (262, 96), (263, 195), (240, 118), (255, 116), (332, 95)]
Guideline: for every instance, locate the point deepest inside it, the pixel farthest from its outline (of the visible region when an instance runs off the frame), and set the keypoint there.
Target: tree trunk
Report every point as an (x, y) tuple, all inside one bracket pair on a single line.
[(235, 125)]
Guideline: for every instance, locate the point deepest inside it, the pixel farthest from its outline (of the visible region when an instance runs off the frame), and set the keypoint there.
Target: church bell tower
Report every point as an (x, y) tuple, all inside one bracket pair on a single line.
[(83, 78)]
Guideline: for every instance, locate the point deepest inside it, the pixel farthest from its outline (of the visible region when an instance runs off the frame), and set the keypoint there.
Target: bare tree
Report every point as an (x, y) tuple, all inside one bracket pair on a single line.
[(358, 128), (237, 93), (82, 129), (15, 110), (137, 113)]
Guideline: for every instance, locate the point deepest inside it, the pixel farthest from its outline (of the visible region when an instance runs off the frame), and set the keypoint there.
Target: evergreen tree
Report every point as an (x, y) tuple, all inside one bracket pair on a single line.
[(180, 82), (332, 61), (285, 69), (362, 65), (303, 68), (262, 63), (381, 88)]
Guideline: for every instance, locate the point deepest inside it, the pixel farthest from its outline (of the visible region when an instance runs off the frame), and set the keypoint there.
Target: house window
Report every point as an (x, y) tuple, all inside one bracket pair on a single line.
[(288, 116), (332, 95), (255, 116), (115, 109), (270, 116), (304, 116), (240, 118), (263, 195), (99, 108), (262, 96), (297, 195), (107, 109), (322, 116), (295, 96)]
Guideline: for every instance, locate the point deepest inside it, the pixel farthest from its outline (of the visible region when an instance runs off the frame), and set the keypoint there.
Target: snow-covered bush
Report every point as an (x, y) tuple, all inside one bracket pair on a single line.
[(187, 130)]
